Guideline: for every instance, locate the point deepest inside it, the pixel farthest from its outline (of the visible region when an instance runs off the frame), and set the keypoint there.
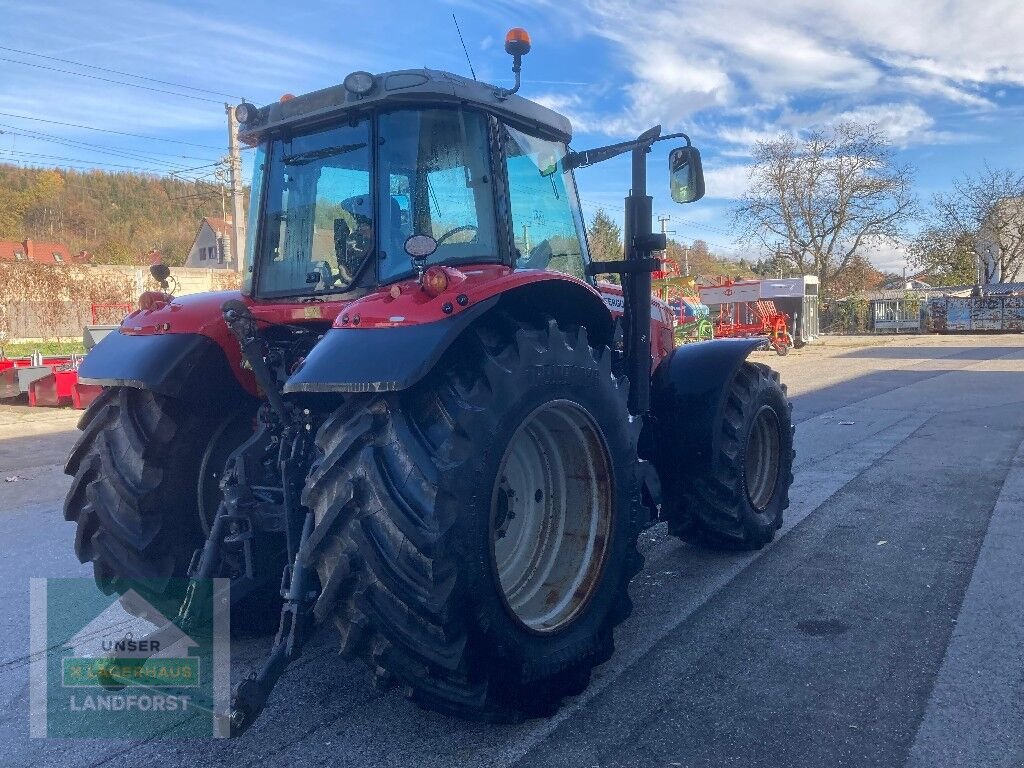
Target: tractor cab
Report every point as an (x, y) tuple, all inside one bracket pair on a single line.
[(346, 176)]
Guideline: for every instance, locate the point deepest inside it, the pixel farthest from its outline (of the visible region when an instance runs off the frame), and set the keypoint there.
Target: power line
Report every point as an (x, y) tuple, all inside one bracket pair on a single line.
[(110, 80), (41, 134), (122, 151), (699, 225), (200, 167), (115, 152), (80, 160), (108, 130), (119, 72)]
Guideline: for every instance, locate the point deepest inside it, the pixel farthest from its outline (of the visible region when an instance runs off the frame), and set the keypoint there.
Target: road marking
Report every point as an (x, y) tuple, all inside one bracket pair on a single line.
[(974, 713)]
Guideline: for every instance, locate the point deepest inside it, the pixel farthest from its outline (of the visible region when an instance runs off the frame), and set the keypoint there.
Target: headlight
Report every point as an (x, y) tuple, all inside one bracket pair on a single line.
[(359, 83), (245, 112)]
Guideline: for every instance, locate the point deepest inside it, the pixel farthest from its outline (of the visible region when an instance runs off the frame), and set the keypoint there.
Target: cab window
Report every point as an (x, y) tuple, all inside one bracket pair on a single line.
[(546, 224), (436, 166), (318, 222)]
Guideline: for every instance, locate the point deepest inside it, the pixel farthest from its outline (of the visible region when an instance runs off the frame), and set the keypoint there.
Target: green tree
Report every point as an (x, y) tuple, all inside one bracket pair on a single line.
[(985, 213), (604, 237), (945, 254), (117, 217)]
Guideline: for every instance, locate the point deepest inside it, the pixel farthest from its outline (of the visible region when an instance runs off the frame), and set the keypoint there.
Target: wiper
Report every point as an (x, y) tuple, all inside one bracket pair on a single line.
[(303, 158)]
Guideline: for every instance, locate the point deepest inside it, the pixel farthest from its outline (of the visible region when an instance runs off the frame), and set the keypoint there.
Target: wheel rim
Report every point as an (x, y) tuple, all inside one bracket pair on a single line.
[(551, 511), (762, 458)]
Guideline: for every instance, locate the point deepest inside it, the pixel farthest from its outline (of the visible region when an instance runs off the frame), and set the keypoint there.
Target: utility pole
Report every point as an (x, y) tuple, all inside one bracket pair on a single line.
[(663, 220), (235, 172)]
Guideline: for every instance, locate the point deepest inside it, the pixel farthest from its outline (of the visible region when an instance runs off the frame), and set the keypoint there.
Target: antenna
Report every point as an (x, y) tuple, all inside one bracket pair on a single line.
[(464, 49)]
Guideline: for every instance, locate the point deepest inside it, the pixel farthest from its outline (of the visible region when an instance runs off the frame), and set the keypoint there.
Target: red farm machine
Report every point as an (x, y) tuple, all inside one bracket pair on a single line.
[(743, 314), (52, 380), (412, 422)]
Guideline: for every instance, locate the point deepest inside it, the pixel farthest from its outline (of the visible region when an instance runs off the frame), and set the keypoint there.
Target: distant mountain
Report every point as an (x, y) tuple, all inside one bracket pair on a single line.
[(117, 217)]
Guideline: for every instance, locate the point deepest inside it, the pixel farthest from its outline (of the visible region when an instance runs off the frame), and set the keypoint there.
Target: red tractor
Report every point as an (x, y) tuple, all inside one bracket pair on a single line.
[(422, 420)]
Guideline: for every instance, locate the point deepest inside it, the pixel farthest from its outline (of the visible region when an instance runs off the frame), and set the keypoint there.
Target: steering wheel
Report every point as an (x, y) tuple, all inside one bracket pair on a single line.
[(323, 271), (450, 232)]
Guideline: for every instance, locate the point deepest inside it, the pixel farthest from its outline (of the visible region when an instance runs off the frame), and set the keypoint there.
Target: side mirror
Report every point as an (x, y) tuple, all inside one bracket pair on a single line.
[(686, 176), (160, 272), (419, 248)]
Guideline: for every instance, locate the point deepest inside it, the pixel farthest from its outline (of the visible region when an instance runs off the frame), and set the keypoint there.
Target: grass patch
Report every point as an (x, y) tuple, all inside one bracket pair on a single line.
[(46, 347)]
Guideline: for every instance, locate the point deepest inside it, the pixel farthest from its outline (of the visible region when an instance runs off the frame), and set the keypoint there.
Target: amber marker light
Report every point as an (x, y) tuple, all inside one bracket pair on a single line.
[(435, 281), (153, 299)]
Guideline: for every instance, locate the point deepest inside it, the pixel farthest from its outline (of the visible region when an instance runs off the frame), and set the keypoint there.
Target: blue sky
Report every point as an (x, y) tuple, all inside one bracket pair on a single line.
[(944, 79)]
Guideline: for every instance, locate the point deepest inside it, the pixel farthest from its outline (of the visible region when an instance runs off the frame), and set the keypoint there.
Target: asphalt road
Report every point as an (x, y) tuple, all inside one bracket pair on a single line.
[(883, 627)]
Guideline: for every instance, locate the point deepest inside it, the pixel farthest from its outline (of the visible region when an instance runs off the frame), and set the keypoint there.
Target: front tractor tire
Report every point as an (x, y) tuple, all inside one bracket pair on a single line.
[(475, 535), (739, 504)]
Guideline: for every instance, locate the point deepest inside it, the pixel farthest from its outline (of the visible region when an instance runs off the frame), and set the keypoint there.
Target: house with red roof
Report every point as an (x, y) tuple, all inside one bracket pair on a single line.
[(38, 251)]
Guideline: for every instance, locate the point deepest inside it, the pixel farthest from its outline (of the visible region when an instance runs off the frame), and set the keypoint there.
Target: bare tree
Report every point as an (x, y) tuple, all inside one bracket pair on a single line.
[(818, 201), (986, 210)]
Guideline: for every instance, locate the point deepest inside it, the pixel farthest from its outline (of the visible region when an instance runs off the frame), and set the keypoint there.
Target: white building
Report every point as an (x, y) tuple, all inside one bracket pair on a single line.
[(1000, 243), (212, 247)]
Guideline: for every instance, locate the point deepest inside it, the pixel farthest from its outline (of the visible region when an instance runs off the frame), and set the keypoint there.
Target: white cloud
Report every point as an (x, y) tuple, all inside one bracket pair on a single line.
[(887, 257), (902, 123), (687, 57), (936, 86), (727, 182)]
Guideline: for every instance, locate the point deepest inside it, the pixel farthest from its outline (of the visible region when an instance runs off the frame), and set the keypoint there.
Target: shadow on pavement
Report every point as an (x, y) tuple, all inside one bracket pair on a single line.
[(933, 353)]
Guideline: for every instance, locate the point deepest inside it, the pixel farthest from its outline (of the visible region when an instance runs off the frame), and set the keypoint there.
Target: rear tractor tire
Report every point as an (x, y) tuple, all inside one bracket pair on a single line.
[(135, 497), (739, 505), (476, 535)]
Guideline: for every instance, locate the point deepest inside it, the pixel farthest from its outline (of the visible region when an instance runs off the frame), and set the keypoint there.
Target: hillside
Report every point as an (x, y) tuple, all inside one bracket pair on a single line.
[(117, 217)]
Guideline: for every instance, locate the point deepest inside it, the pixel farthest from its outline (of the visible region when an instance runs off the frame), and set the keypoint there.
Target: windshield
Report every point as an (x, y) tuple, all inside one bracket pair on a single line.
[(435, 180), (318, 214)]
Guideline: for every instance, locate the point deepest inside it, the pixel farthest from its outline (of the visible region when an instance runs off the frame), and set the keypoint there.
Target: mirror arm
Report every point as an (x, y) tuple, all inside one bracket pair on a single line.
[(599, 154), (675, 136)]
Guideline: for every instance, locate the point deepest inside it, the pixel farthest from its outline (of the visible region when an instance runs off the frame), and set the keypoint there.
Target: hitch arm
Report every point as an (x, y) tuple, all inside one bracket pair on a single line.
[(242, 324), (250, 696)]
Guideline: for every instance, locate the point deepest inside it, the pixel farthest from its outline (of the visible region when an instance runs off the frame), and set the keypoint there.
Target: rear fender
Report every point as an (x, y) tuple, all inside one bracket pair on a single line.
[(385, 357), (187, 366), (688, 394), (180, 349), (379, 359), (184, 349)]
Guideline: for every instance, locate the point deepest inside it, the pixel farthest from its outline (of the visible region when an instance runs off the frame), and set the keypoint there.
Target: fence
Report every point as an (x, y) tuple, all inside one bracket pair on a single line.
[(41, 302), (896, 315), (977, 313)]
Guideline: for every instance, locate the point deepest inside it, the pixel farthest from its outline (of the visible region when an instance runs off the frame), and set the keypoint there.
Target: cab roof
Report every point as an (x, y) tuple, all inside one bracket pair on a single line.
[(407, 87)]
